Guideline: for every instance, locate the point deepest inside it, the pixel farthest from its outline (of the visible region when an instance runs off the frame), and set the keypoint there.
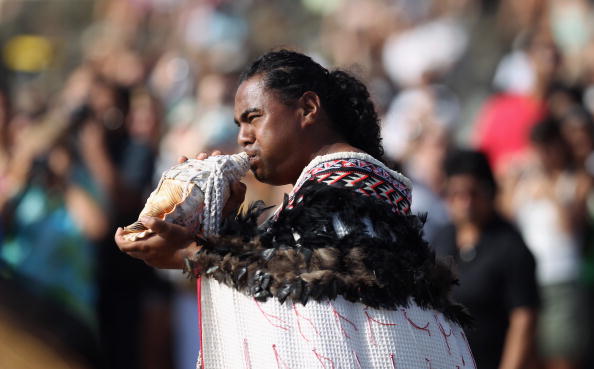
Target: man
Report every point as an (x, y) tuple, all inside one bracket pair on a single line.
[(339, 276), (496, 270)]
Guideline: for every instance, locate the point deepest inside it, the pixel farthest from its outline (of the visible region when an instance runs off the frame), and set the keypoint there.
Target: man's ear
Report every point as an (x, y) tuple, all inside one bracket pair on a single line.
[(310, 107)]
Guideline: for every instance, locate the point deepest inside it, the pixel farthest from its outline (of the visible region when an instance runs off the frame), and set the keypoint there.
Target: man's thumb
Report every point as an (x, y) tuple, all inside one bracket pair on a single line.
[(154, 224)]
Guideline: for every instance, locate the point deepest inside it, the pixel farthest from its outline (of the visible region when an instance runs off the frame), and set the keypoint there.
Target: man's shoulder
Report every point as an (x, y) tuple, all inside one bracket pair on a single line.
[(504, 239), (360, 173), (503, 233)]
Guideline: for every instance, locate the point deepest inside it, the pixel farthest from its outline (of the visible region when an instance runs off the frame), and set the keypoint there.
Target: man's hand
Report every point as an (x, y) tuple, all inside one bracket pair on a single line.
[(236, 189), (167, 248)]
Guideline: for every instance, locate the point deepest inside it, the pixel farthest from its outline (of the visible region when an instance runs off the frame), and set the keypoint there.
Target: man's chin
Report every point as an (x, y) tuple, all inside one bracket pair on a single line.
[(267, 179), (258, 175)]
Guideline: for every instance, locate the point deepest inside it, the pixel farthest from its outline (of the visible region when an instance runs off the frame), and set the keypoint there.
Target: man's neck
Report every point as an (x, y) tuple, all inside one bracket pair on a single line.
[(333, 148), (467, 235)]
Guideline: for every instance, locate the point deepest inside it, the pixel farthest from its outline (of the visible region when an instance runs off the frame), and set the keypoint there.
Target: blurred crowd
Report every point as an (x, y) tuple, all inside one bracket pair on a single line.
[(487, 106)]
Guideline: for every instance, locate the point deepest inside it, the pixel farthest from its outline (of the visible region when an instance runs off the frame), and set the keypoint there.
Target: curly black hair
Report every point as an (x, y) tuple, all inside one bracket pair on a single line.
[(343, 97)]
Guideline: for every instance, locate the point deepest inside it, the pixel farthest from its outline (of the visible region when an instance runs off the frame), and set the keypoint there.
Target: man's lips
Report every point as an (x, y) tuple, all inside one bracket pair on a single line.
[(252, 157)]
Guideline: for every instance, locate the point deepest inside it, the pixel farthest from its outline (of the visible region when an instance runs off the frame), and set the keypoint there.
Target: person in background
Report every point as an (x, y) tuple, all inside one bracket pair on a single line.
[(502, 127), (51, 223), (547, 200), (496, 269)]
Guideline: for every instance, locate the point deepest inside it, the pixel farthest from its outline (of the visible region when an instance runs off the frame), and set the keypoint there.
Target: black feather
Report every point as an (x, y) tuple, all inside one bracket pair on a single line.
[(384, 271)]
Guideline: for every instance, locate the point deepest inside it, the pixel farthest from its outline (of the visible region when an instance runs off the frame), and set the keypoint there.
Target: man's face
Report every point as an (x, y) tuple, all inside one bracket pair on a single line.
[(269, 132), (468, 199)]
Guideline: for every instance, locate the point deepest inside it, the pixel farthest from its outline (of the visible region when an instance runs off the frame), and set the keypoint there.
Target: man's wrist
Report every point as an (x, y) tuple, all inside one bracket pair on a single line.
[(188, 265)]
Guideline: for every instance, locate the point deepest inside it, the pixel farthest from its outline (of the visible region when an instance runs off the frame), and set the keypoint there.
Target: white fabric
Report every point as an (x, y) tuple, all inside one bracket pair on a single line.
[(539, 219), (240, 333), (555, 249)]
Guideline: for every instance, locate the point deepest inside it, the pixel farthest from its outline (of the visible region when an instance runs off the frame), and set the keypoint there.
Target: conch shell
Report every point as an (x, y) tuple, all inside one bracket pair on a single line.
[(192, 194)]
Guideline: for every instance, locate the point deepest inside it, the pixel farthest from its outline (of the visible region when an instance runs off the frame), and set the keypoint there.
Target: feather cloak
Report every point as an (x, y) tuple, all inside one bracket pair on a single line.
[(340, 277)]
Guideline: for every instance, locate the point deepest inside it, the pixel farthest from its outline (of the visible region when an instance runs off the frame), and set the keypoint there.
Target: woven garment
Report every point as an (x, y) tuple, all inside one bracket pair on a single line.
[(240, 332), (339, 277)]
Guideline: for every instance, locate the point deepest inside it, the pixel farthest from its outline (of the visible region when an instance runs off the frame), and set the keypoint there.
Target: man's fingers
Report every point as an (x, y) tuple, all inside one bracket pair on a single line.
[(123, 244), (237, 195), (119, 237), (155, 225), (204, 155), (238, 189), (182, 159)]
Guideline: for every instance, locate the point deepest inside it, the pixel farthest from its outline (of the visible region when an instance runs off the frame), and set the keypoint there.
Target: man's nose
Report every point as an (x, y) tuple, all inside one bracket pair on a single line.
[(244, 137)]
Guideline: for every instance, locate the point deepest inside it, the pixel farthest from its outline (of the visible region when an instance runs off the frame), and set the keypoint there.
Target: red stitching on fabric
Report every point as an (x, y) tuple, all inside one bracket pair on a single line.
[(357, 359), (469, 351), (393, 360), (324, 176), (321, 359), (306, 319), (377, 184), (388, 192), (369, 320), (352, 183), (339, 177), (377, 321), (338, 316), (443, 333), (425, 328), (279, 361), (199, 298), (267, 315), (246, 354)]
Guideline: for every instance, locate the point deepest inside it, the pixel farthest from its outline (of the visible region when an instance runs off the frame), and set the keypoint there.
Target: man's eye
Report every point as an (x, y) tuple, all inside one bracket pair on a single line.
[(252, 117)]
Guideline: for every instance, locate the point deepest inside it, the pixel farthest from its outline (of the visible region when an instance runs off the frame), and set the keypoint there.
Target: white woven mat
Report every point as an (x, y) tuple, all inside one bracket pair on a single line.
[(241, 333)]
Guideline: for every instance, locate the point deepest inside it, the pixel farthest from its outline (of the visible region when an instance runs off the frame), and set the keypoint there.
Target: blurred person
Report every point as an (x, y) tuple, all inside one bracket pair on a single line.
[(208, 123), (578, 130), (502, 127), (343, 252), (570, 26), (563, 99), (416, 135), (22, 144), (215, 34), (423, 115), (355, 31), (546, 200), (495, 268), (49, 224), (513, 17), (416, 53), (117, 130), (172, 78)]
